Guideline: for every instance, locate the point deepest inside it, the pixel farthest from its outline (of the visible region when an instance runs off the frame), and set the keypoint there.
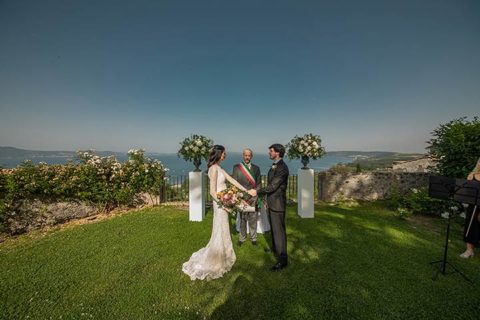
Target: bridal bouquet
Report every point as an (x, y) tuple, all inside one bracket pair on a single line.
[(233, 200)]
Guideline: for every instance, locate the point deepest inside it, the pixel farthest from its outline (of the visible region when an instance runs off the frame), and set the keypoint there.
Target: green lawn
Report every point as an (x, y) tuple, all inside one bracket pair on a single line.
[(347, 263)]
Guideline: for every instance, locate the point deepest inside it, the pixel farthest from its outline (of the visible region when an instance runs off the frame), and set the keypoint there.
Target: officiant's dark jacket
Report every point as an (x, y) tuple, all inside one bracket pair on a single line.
[(240, 177), (276, 187)]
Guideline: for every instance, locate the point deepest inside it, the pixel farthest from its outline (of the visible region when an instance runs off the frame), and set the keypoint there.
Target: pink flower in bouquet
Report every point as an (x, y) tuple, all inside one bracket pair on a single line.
[(230, 198)]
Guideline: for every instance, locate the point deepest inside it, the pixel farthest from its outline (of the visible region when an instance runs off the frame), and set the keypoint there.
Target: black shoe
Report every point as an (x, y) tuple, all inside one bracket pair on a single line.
[(254, 243), (240, 243), (279, 266)]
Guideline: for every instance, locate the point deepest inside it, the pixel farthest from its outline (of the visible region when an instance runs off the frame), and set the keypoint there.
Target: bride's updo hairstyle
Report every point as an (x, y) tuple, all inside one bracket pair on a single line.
[(215, 154)]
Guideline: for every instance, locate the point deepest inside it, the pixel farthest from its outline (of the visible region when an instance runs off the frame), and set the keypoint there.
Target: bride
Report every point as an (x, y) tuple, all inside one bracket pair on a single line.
[(217, 257)]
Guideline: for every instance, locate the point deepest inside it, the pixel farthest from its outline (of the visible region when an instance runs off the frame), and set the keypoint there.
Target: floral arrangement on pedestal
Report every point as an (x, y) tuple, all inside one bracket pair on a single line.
[(305, 148), (195, 148)]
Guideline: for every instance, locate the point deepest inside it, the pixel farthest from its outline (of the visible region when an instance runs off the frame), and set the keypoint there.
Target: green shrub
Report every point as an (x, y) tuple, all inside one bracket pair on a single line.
[(99, 180), (417, 201), (456, 146), (341, 169)]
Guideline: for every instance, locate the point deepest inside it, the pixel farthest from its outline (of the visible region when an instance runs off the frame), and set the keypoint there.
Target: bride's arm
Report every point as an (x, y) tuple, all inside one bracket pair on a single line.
[(233, 181), (213, 174)]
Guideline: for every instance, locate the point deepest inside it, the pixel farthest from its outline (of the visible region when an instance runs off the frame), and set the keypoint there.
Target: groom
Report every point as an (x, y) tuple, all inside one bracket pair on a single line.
[(277, 201)]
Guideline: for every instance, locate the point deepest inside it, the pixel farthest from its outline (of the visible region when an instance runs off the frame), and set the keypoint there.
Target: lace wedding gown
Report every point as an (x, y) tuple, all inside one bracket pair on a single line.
[(217, 257)]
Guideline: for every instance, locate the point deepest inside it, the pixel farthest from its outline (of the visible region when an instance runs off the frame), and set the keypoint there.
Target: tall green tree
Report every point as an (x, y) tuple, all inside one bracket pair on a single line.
[(456, 146)]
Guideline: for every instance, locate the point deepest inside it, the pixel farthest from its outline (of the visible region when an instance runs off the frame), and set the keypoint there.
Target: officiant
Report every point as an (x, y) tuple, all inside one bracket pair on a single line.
[(248, 175)]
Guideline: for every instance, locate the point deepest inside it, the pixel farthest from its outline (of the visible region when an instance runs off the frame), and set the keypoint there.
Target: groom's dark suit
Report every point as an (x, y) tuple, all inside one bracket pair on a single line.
[(277, 202)]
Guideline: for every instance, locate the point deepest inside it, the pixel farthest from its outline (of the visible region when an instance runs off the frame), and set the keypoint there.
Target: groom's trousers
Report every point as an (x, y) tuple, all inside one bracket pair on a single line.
[(279, 235)]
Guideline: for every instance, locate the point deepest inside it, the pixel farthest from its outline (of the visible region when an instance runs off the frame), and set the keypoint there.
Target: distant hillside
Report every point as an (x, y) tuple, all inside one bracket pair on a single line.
[(362, 153), (11, 157), (11, 152), (379, 160)]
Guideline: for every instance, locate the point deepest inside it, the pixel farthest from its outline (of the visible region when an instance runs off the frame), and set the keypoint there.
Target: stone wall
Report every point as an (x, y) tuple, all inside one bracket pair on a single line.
[(35, 214), (27, 215), (425, 164), (367, 186)]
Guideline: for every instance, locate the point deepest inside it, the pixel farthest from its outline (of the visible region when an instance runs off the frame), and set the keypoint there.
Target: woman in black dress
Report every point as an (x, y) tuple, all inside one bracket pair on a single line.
[(471, 231)]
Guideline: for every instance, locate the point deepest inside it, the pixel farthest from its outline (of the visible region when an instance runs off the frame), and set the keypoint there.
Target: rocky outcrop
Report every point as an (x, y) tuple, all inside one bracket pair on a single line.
[(35, 214), (369, 185)]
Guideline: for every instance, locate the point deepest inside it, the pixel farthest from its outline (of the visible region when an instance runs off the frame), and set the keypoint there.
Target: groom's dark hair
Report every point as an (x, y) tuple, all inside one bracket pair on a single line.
[(278, 148)]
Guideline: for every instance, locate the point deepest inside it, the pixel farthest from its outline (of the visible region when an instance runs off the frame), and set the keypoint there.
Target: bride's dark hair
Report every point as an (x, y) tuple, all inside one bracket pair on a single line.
[(215, 155)]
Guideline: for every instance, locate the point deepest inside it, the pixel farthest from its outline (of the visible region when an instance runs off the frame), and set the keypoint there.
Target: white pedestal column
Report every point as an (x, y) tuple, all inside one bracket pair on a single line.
[(305, 193), (196, 196)]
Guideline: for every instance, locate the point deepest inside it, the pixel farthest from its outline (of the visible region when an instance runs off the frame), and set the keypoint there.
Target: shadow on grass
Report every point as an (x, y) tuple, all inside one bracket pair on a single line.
[(346, 264)]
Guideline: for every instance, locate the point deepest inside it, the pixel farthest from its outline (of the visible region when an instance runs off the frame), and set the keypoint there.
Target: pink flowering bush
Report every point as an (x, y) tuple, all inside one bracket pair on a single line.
[(102, 181)]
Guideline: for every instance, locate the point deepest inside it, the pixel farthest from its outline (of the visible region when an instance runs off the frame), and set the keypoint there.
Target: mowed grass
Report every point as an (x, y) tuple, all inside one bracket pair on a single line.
[(348, 262)]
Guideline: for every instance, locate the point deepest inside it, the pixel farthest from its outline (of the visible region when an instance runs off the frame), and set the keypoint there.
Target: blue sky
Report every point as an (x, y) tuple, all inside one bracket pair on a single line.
[(111, 75)]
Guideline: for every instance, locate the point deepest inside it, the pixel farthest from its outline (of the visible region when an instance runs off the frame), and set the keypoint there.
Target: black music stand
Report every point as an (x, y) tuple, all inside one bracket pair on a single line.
[(461, 190)]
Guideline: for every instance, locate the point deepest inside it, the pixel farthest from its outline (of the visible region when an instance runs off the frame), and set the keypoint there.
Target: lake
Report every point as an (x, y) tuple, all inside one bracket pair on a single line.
[(178, 166)]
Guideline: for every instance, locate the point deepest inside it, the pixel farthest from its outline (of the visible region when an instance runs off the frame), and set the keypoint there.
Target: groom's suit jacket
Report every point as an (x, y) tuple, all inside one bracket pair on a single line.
[(276, 187)]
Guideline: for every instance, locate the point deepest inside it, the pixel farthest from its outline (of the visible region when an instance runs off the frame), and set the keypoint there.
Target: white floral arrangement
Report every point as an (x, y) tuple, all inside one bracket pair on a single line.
[(307, 146), (136, 152), (110, 165), (195, 147)]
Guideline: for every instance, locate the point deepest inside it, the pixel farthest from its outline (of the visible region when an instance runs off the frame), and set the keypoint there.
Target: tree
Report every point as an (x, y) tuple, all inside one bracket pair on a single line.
[(358, 168), (456, 147)]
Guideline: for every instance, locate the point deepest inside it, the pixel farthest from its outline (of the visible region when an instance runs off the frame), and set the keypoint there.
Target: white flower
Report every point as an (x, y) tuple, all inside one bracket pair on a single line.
[(445, 215), (415, 190), (199, 143)]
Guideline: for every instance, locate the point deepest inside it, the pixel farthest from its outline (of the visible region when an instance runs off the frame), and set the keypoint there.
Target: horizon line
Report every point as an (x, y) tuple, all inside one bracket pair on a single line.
[(233, 151)]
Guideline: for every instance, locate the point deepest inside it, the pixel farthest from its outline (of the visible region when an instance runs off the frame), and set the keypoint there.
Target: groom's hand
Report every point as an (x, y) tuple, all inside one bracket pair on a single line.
[(252, 192)]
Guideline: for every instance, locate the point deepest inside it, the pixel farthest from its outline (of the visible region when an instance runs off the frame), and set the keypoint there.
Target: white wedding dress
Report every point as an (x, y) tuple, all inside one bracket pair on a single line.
[(217, 257)]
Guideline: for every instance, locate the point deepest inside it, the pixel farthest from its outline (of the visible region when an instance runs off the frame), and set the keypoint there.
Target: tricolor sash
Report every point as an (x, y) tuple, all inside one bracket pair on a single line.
[(248, 174)]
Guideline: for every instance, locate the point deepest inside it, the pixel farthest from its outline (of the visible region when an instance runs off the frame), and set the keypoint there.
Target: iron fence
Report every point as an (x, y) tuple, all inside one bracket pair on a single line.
[(176, 188)]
